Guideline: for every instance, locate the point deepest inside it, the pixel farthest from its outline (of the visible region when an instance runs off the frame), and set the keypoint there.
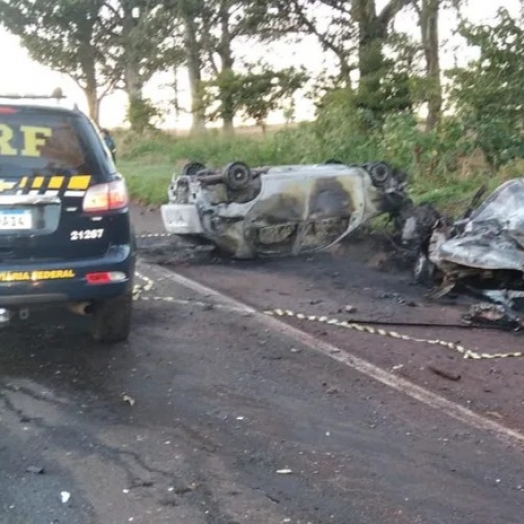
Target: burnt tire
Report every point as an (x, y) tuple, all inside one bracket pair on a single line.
[(111, 321), (192, 169), (380, 173), (237, 175)]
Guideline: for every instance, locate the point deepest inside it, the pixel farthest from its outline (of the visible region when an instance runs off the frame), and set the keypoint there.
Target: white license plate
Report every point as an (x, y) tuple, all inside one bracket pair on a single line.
[(21, 219)]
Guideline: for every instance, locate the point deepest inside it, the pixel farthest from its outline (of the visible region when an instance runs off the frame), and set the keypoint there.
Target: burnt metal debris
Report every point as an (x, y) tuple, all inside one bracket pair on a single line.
[(283, 210), (481, 253)]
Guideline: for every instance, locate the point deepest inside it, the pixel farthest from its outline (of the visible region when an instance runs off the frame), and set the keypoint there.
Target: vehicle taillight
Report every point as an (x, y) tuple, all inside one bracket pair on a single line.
[(106, 197), (105, 277), (7, 110)]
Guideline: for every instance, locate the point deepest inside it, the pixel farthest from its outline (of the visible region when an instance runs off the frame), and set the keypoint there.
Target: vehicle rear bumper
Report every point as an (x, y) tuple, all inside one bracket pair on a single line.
[(181, 219), (33, 283)]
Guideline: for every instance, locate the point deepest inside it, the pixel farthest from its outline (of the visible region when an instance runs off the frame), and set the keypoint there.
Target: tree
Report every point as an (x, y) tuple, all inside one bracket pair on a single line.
[(428, 12), (267, 90), (373, 29), (191, 10), (205, 26), (224, 22), (428, 15), (255, 93), (306, 17), (66, 35), (356, 34), (139, 42), (101, 44), (488, 92)]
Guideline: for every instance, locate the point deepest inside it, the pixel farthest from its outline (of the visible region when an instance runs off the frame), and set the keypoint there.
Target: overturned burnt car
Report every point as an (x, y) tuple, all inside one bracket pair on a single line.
[(279, 211), (482, 253)]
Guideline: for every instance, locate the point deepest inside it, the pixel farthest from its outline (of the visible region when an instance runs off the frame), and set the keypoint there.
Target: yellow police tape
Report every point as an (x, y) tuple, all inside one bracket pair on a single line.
[(353, 326), (363, 328)]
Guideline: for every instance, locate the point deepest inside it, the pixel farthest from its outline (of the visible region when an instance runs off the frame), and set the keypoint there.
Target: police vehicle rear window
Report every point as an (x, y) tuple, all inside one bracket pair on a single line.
[(39, 143)]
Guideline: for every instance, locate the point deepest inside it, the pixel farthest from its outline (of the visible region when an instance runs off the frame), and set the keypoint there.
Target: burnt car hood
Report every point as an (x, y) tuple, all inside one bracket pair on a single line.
[(492, 238)]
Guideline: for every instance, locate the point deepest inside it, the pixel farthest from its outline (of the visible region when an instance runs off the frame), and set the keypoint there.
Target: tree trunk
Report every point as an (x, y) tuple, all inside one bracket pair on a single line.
[(226, 57), (373, 31), (133, 83), (429, 26), (194, 67), (89, 84), (92, 103), (370, 58)]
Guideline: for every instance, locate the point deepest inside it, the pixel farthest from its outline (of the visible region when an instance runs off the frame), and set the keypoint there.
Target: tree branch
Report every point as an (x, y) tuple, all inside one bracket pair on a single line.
[(390, 10), (310, 26), (417, 7)]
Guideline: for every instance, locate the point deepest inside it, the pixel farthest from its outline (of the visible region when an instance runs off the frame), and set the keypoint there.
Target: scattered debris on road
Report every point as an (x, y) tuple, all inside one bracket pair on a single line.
[(492, 315), (37, 470), (65, 496), (283, 210), (130, 400), (445, 373)]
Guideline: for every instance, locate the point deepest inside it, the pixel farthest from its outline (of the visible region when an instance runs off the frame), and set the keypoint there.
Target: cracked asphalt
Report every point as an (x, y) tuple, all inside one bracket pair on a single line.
[(208, 416)]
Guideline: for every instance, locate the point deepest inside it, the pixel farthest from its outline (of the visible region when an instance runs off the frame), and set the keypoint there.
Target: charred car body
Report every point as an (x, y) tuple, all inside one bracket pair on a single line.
[(483, 252), (278, 211)]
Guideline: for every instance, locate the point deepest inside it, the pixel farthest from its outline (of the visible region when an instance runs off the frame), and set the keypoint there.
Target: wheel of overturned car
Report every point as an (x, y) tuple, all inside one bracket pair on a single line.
[(423, 270), (379, 172), (192, 169), (237, 175)]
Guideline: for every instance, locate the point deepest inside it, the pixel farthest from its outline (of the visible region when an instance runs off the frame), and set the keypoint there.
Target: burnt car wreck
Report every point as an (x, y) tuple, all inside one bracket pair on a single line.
[(280, 211), (300, 209), (482, 254)]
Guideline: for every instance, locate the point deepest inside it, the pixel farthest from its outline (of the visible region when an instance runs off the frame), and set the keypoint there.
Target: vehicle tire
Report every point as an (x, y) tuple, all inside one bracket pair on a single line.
[(112, 319), (237, 175), (379, 172), (192, 169)]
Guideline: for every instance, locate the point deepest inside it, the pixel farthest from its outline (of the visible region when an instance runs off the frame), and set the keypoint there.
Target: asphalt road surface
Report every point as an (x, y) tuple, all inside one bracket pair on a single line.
[(214, 413)]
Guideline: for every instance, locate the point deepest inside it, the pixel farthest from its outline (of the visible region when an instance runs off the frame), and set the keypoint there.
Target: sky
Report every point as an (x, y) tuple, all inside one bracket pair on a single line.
[(25, 75)]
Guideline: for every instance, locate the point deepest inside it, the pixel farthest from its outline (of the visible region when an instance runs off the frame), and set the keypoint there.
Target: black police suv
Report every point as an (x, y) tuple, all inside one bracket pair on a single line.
[(65, 231)]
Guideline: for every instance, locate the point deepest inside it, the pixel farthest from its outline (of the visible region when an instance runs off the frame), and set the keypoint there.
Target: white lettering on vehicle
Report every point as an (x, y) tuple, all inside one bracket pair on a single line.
[(86, 234)]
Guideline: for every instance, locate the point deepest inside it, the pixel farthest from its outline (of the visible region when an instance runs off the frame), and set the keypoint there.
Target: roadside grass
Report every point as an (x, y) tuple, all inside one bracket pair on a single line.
[(147, 182)]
